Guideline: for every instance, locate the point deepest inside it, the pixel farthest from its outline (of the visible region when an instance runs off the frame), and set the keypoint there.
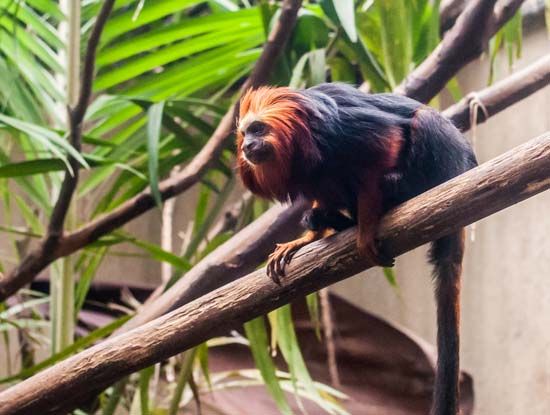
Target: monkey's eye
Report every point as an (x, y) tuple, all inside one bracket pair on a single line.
[(257, 128)]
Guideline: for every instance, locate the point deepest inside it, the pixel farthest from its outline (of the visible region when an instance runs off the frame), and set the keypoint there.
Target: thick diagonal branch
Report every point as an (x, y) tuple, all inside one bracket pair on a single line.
[(508, 179), (52, 248)]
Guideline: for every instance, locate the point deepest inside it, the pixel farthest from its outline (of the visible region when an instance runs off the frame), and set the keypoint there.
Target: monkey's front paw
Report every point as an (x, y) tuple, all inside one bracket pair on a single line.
[(279, 259), (372, 252)]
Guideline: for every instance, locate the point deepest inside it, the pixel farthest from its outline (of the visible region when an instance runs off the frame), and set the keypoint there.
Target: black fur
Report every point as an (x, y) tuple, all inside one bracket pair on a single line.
[(352, 129), (316, 219)]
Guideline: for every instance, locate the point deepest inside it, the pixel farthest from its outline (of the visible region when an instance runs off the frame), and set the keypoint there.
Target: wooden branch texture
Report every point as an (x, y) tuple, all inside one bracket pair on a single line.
[(62, 245), (508, 179), (501, 95), (464, 42), (449, 10), (248, 249)]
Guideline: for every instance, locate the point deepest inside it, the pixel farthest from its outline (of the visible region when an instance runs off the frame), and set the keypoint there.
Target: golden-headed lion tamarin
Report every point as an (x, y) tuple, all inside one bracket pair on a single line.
[(354, 156)]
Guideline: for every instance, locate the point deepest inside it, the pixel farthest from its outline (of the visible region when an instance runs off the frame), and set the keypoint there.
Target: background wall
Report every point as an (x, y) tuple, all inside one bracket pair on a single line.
[(506, 289)]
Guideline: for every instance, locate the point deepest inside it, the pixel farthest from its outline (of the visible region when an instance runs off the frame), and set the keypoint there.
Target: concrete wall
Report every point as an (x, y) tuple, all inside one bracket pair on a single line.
[(506, 290)]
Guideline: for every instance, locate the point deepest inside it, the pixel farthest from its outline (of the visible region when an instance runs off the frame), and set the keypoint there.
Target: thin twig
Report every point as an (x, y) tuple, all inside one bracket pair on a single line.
[(76, 116), (89, 62), (330, 340)]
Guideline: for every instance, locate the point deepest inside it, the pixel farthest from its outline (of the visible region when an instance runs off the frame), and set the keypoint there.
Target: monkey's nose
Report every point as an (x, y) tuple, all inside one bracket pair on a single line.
[(251, 146)]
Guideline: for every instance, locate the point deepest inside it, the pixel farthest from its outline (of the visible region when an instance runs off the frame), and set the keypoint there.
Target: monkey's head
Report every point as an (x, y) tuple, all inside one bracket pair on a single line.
[(273, 135)]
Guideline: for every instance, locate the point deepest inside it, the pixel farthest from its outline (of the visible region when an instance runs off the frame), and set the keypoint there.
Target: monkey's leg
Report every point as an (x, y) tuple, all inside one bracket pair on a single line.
[(369, 212), (283, 253), (316, 219)]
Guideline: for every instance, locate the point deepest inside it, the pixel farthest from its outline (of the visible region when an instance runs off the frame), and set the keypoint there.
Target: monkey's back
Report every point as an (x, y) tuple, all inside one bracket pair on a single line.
[(352, 129)]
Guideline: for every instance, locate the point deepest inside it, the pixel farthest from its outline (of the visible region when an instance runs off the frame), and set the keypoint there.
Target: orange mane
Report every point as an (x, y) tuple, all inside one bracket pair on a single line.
[(285, 112)]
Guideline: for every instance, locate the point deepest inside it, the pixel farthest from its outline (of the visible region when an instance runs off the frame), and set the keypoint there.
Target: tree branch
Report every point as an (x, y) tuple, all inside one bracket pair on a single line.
[(504, 11), (250, 247), (501, 95), (52, 248), (230, 261), (44, 253), (75, 116), (449, 10), (89, 62), (508, 179), (462, 44)]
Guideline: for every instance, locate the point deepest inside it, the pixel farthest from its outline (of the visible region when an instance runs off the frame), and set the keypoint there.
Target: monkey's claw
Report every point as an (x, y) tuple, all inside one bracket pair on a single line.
[(279, 259)]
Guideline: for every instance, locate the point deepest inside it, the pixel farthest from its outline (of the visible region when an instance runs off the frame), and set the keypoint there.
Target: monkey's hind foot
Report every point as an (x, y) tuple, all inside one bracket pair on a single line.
[(373, 252)]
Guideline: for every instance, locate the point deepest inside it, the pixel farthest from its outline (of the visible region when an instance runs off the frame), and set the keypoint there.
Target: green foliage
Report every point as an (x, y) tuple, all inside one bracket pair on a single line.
[(154, 125), (256, 333), (508, 38), (398, 34), (167, 71)]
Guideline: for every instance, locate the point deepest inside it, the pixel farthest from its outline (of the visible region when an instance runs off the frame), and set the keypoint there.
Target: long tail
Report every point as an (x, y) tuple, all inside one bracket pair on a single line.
[(446, 255)]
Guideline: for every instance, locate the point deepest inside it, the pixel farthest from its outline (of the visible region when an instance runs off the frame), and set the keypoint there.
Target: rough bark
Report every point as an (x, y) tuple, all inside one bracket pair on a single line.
[(449, 10), (501, 95), (51, 249), (508, 179), (467, 39)]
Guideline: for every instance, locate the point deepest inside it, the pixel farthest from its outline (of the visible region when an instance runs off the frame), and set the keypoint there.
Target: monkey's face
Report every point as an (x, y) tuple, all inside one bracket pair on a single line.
[(273, 132), (272, 138), (257, 142)]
